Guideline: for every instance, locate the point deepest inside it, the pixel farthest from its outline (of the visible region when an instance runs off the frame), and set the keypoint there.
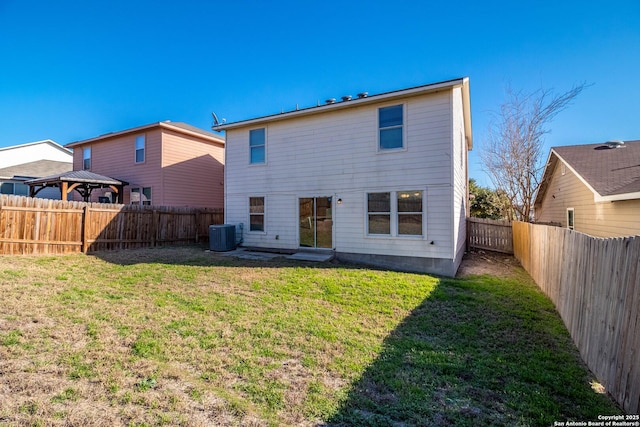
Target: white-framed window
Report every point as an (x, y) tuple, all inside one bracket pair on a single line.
[(257, 146), (390, 127), (379, 213), (570, 219), (256, 214), (395, 213), (86, 158), (15, 188), (409, 213), (140, 143), (140, 196)]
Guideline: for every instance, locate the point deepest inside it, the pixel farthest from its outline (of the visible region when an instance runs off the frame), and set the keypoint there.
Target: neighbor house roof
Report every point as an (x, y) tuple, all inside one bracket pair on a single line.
[(359, 101), (180, 127), (45, 141), (35, 169), (610, 170)]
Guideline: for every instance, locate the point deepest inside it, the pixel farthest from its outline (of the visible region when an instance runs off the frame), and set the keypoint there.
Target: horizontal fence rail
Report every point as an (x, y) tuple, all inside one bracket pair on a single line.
[(595, 286), (43, 226), (490, 234)]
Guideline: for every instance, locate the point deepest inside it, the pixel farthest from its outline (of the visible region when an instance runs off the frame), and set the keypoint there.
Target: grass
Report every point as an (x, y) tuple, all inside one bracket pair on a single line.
[(178, 336)]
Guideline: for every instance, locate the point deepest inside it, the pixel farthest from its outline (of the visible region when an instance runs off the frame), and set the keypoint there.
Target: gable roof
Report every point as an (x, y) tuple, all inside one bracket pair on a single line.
[(35, 169), (610, 173), (386, 96), (44, 141), (180, 127)]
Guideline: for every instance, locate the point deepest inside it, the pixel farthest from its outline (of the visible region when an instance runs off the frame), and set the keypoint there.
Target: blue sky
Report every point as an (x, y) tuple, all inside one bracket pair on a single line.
[(71, 70)]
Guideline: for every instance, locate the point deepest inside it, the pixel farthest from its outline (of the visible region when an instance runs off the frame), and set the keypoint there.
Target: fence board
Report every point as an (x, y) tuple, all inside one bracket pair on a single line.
[(595, 286), (490, 234), (42, 226)]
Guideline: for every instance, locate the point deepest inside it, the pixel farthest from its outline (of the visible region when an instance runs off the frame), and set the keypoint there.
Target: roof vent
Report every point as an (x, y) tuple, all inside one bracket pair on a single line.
[(330, 101), (615, 144), (363, 95), (346, 98)]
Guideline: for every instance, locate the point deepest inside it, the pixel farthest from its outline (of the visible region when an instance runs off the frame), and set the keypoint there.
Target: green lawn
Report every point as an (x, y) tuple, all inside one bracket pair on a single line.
[(179, 336)]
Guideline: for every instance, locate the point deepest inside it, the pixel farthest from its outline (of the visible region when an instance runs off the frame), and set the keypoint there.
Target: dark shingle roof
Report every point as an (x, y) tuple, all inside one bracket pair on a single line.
[(187, 126), (36, 169), (78, 176), (609, 171)]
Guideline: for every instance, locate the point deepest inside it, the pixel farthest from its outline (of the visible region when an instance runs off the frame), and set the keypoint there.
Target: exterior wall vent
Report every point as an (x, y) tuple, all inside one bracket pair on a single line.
[(615, 144)]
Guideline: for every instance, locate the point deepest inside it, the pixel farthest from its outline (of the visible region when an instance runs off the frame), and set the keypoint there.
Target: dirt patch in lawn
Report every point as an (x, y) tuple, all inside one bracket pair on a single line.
[(478, 262)]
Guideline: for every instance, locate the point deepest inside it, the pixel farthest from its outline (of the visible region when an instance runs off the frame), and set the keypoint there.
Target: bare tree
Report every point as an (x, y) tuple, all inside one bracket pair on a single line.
[(513, 149)]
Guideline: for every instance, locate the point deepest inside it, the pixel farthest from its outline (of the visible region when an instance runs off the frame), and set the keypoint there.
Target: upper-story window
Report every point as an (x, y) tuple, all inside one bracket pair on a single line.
[(390, 121), (139, 148), (257, 145), (86, 158)]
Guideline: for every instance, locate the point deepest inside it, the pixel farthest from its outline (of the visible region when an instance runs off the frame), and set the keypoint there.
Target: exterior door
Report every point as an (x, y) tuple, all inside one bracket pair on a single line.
[(316, 222)]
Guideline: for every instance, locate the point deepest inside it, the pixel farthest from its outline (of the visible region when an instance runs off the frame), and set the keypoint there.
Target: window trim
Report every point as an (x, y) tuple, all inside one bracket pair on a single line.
[(381, 150), (394, 223), (143, 149), (264, 146), (421, 213), (572, 225), (387, 213), (140, 190), (86, 158), (263, 214)]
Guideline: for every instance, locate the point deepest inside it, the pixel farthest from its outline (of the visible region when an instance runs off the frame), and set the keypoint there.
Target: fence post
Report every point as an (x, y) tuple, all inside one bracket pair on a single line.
[(85, 228), (197, 221), (154, 227)]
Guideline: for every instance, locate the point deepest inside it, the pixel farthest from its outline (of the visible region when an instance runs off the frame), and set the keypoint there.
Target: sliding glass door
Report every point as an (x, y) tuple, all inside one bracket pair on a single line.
[(316, 222)]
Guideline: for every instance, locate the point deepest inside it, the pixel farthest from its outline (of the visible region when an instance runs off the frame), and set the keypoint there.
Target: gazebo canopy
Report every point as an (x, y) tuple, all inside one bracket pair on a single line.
[(84, 182)]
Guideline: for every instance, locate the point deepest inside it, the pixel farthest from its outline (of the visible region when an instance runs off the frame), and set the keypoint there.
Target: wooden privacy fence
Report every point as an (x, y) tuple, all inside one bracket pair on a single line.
[(595, 286), (490, 234), (42, 226)]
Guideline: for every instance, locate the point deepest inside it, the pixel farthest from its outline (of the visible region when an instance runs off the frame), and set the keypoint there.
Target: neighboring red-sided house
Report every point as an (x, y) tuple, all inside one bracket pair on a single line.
[(164, 163), (594, 189)]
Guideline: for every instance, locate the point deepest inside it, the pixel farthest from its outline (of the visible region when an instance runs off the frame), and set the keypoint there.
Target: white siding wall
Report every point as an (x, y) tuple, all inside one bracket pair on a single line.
[(26, 153), (335, 154), (460, 179)]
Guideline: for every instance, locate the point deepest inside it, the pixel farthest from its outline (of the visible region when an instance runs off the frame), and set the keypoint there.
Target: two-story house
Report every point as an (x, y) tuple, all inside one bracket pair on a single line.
[(592, 188), (164, 163), (380, 180)]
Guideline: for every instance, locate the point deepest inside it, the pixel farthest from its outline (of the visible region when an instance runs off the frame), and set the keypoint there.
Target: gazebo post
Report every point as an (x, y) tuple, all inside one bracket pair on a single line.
[(64, 189)]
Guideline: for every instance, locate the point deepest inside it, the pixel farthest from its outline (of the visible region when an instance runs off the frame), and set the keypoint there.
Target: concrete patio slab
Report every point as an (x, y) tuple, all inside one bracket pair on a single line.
[(252, 255), (312, 256)]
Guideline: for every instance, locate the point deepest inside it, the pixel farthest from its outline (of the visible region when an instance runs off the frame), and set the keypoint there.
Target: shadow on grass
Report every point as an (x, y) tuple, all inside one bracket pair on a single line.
[(478, 352), (199, 255)]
